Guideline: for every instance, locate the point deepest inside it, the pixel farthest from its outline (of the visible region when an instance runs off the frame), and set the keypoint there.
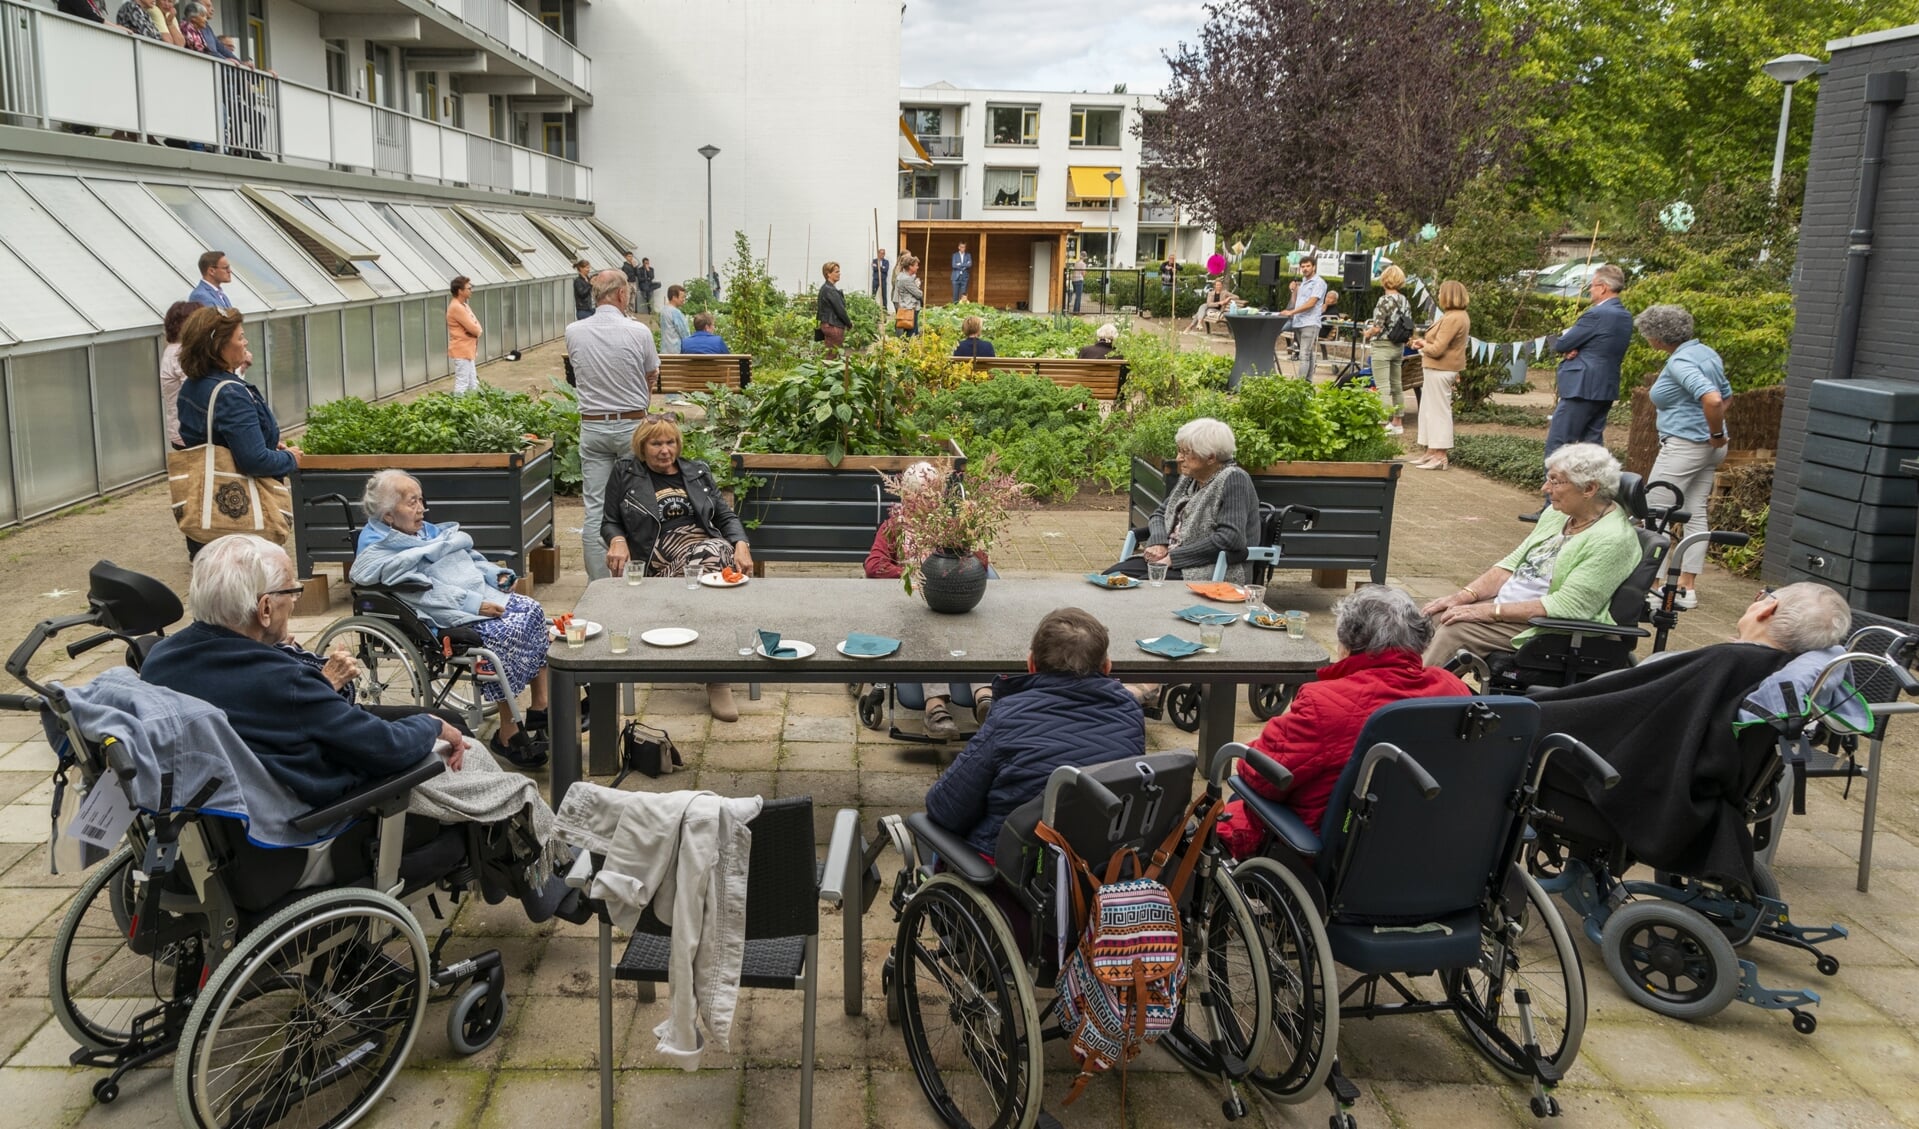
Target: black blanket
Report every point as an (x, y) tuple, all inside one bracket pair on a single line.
[(1667, 727)]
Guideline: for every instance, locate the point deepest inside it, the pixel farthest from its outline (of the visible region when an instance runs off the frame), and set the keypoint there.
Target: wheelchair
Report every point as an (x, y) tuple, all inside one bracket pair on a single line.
[(1180, 702), (281, 1001), (1367, 891), (978, 940), (406, 662), (881, 704)]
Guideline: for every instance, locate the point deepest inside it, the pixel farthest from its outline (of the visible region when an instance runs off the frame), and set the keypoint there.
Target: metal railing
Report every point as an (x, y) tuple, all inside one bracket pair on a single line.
[(930, 208), (521, 33), (57, 72), (939, 146), (1157, 213)]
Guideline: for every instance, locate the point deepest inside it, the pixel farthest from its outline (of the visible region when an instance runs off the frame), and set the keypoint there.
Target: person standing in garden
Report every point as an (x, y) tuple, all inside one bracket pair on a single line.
[(962, 273), (462, 336), (908, 297), (1690, 397), (1077, 276), (831, 310), (583, 290), (614, 366), (1588, 377), (1389, 331), (881, 269), (1442, 353), (673, 328), (1309, 303)]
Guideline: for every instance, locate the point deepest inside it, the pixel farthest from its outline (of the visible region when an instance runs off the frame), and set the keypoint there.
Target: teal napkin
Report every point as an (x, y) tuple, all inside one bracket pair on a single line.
[(870, 646), (1200, 613), (1169, 646), (770, 642), (1101, 579)]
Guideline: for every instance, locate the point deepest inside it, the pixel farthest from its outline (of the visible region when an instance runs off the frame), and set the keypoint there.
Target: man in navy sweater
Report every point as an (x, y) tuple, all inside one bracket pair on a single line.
[(1068, 709)]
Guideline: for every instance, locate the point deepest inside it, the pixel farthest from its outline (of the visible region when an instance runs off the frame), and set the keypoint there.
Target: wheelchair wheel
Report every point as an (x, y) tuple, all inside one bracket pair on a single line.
[(1304, 1043), (1268, 699), (1523, 945), (966, 1009), (1182, 706), (1670, 959), (391, 671), (96, 984), (872, 707), (473, 1022), (309, 1020), (1226, 980)]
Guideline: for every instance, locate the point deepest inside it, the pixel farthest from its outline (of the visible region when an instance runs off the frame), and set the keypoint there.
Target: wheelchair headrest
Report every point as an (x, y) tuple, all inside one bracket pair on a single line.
[(130, 602), (1632, 495)]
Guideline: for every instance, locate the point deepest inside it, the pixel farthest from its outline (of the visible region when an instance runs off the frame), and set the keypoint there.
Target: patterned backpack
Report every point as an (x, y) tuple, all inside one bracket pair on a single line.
[(1120, 988)]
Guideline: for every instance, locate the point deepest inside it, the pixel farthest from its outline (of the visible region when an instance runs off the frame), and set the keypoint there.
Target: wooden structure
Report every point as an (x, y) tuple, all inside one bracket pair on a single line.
[(692, 372), (1003, 259), (1103, 378)]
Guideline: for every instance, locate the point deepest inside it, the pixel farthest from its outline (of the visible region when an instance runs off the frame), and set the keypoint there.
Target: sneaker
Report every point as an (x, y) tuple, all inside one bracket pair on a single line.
[(520, 752), (1395, 429), (1686, 600), (939, 720)]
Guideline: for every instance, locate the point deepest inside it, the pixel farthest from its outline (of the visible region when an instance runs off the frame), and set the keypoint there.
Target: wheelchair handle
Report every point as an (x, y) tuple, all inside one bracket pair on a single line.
[(21, 703), (1386, 751), (1728, 537), (346, 509), (1223, 762), (1069, 776), (1591, 766)]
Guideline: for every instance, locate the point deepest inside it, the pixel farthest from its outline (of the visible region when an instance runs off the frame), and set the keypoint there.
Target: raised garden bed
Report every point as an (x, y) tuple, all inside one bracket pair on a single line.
[(805, 508)]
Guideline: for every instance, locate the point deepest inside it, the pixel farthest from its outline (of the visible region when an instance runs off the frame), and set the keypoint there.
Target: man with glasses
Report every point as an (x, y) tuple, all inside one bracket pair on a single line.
[(614, 367), (215, 272)]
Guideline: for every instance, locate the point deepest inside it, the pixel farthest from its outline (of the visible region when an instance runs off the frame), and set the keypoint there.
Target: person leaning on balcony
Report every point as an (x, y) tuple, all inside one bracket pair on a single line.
[(93, 11), (213, 352), (462, 336), (673, 328), (831, 309), (614, 367), (907, 294), (583, 290), (138, 17)]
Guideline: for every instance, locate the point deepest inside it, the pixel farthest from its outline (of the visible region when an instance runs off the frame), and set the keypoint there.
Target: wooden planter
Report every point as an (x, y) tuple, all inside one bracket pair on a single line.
[(1354, 500), (806, 509), (504, 501)]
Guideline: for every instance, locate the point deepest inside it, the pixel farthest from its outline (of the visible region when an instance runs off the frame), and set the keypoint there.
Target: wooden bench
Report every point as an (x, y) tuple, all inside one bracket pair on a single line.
[(1103, 378), (692, 372)]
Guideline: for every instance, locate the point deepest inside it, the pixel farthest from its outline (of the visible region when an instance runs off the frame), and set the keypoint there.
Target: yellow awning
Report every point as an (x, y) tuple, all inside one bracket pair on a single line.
[(1088, 182)]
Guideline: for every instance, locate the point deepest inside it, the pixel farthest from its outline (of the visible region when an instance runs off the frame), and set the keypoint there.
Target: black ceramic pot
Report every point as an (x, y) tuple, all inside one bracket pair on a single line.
[(953, 583)]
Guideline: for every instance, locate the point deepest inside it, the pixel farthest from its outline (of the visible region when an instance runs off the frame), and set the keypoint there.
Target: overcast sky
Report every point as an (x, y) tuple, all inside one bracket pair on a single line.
[(1028, 45)]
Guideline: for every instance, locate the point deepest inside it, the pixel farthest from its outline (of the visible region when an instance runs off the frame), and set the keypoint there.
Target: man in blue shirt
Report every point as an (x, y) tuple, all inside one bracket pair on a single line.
[(673, 329), (215, 272), (962, 273), (703, 339), (882, 267), (1309, 302)]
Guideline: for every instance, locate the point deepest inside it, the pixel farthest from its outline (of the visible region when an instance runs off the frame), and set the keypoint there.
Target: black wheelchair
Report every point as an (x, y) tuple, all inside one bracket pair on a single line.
[(1367, 890), (978, 939), (286, 995)]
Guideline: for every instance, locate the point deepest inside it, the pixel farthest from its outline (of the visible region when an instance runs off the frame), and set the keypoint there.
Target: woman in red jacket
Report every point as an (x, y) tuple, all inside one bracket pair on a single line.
[(1380, 637)]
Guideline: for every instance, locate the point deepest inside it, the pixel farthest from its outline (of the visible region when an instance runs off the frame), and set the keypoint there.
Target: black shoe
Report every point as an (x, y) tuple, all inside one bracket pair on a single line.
[(521, 752), (535, 722)]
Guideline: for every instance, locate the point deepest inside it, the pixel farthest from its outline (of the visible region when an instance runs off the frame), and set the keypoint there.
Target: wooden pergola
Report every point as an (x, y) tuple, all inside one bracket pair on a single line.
[(934, 241)]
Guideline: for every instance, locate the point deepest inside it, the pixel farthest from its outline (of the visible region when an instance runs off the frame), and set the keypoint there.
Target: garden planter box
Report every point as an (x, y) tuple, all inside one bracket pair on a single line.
[(806, 509), (504, 501), (1354, 500)]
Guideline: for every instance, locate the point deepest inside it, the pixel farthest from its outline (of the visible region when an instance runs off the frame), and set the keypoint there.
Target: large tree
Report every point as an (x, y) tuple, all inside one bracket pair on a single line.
[(1304, 113)]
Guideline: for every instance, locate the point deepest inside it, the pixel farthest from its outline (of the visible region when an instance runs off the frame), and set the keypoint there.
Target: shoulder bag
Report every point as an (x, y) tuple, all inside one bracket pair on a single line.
[(211, 498)]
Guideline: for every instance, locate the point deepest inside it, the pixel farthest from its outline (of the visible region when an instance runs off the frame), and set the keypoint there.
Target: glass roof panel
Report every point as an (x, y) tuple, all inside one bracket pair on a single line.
[(422, 246), (172, 240), (455, 231), (398, 244), (28, 310), (84, 281), (267, 238), (392, 269), (104, 233), (602, 253), (465, 259), (543, 260), (214, 232)]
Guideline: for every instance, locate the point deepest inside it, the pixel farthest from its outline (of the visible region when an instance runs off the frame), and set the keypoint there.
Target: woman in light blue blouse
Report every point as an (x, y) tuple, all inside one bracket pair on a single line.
[(1690, 396)]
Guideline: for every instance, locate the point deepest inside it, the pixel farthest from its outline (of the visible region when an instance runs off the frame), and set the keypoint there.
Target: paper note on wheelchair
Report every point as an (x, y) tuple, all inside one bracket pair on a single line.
[(103, 816)]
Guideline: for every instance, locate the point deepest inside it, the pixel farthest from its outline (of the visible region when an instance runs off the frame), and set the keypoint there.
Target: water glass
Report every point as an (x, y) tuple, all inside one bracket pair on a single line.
[(1296, 624), (692, 576), (619, 640), (746, 639), (1156, 573), (634, 572), (576, 633), (1211, 635), (1255, 597)]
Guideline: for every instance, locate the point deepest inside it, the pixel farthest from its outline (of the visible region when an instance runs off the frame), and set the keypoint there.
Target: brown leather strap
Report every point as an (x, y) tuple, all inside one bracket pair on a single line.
[(602, 417)]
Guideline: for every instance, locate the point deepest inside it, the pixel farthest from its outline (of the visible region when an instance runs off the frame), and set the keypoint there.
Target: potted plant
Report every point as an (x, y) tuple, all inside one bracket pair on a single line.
[(942, 533)]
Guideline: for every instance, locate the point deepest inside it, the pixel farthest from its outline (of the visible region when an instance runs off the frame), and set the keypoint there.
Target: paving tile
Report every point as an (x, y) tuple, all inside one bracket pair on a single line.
[(1426, 1103), (26, 909), (740, 756), (1645, 1056), (677, 1098), (1881, 1062), (1704, 1111), (521, 1098), (801, 727), (819, 756)]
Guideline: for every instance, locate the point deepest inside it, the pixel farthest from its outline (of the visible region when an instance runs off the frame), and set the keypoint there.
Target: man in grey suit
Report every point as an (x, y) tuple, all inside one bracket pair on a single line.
[(1589, 375)]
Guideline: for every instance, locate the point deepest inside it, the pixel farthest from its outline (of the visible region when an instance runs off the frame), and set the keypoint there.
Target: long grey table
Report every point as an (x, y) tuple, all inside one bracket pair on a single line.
[(821, 611)]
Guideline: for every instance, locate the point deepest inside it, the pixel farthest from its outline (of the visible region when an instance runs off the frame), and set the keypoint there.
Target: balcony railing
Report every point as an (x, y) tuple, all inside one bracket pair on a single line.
[(58, 71), (930, 208), (1157, 213), (943, 146), (522, 34)]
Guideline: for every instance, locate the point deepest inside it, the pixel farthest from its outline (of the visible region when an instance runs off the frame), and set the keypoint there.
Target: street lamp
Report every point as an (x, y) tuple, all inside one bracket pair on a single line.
[(712, 268), (1786, 70), (1112, 239)]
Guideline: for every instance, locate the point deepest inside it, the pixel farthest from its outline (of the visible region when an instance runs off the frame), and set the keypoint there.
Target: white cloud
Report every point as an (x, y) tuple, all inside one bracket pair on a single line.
[(1021, 45)]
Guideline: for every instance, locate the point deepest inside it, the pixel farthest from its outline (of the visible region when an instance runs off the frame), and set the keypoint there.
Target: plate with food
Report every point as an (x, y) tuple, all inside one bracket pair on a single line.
[(556, 627), (725, 578), (669, 636), (1267, 618), (1219, 590), (1118, 581)]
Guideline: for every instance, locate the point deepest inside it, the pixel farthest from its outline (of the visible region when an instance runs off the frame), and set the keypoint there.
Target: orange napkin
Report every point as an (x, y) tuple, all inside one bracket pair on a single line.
[(1221, 591)]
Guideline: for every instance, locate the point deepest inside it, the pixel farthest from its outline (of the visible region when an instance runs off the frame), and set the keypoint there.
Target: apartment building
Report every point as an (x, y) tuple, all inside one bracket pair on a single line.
[(1027, 179)]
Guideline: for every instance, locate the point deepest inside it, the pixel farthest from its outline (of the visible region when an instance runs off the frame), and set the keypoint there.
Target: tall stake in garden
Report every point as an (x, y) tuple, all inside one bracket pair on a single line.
[(1592, 249)]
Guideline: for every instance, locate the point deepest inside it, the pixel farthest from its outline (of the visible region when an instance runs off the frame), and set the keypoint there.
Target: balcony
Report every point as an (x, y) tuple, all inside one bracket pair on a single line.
[(929, 208), (521, 33), (943, 147), (94, 76), (1158, 213)]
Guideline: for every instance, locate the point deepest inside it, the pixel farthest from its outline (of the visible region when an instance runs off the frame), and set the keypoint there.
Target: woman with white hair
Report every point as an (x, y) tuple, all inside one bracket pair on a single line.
[(1582, 550), (398, 546), (1102, 346), (1213, 508), (1690, 399), (883, 563)]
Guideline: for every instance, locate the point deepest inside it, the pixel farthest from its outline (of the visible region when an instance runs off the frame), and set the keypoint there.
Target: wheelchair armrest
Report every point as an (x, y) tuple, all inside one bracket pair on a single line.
[(382, 797), (396, 589), (1289, 831), (1587, 627), (954, 851), (842, 856)]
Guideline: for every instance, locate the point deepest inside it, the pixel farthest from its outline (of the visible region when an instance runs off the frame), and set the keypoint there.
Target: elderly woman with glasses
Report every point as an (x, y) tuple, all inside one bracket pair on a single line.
[(1580, 552), (1213, 508), (399, 548), (1690, 398)]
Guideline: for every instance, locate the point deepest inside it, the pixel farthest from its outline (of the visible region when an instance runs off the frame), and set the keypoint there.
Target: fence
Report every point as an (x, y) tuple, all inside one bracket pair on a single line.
[(523, 34)]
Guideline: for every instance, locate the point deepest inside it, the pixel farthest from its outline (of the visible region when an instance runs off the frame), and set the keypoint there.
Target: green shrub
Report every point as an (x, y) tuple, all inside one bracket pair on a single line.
[(1275, 419), (488, 420), (1517, 460), (1048, 437)]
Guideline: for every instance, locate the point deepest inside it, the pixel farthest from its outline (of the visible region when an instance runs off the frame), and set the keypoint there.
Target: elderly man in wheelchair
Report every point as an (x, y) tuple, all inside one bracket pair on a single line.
[(251, 921)]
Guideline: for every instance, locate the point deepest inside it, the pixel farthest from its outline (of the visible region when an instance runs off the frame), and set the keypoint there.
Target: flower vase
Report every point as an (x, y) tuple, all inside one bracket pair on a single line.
[(953, 583)]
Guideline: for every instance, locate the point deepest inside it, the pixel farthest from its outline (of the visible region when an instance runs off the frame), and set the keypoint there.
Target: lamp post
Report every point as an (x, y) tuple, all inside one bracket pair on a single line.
[(1112, 240), (1786, 70), (712, 268)]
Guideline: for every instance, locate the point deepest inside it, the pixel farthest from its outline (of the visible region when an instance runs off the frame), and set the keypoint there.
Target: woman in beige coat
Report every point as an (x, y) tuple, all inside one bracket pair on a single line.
[(1443, 354)]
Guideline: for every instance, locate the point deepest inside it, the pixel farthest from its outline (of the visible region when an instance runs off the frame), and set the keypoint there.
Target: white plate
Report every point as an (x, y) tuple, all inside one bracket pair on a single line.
[(1251, 622), (805, 651), (669, 636), (841, 648), (715, 580), (592, 629)]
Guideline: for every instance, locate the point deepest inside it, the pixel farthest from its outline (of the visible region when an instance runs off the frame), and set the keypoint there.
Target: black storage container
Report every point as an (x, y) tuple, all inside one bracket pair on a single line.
[(1853, 527)]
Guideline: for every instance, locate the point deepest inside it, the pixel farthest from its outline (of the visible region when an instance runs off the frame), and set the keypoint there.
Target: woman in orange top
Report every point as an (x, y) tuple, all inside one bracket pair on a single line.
[(462, 336), (1443, 353)]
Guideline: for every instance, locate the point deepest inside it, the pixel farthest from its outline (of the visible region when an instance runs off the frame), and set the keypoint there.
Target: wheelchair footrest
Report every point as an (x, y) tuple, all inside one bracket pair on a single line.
[(1344, 1091), (1771, 999)]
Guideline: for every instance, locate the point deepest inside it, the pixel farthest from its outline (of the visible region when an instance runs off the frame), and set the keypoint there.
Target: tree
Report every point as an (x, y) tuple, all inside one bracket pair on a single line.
[(1302, 113)]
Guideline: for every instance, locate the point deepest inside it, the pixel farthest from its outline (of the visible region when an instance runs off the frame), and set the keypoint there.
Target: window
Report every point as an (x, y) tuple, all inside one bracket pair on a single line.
[(1010, 188), (426, 91), (1012, 125), (1096, 127), (924, 121), (338, 74), (256, 52), (553, 135), (381, 89), (919, 186), (1151, 247)]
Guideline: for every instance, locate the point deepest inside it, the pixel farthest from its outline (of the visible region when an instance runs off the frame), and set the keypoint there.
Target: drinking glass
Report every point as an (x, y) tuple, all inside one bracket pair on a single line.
[(745, 639), (692, 576), (619, 640), (1156, 573), (1211, 635), (1296, 624), (576, 633), (1255, 597), (634, 572)]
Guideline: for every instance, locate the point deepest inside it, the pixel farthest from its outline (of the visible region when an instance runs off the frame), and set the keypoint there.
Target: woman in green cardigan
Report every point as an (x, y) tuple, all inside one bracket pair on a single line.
[(1582, 550)]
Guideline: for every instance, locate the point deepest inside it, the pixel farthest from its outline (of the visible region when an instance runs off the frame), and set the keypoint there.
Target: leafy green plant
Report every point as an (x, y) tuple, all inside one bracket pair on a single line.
[(1517, 460), (932, 519), (488, 420), (1276, 419), (1048, 437)]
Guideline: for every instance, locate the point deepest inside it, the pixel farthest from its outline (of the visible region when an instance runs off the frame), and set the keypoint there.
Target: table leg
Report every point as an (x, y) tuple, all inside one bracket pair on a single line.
[(603, 755), (563, 733), (1217, 701)]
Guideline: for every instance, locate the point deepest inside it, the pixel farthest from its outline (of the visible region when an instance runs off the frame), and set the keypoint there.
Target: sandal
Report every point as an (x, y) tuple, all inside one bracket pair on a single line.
[(521, 752)]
